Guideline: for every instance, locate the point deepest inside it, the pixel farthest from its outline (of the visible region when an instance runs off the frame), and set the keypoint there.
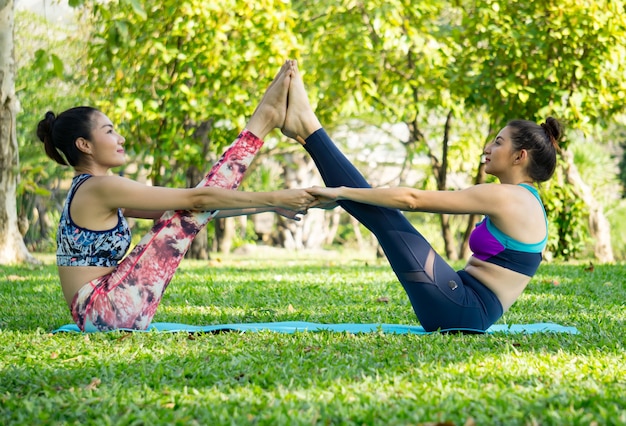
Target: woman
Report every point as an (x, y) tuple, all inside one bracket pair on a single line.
[(506, 245), (105, 292)]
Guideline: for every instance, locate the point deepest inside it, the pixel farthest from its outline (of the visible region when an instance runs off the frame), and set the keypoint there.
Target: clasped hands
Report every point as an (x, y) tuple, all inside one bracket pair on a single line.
[(324, 198)]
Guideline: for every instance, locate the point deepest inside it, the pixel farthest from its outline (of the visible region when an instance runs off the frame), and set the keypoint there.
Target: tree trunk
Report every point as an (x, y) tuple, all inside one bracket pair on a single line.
[(472, 219), (12, 247), (599, 227), (224, 234), (448, 237)]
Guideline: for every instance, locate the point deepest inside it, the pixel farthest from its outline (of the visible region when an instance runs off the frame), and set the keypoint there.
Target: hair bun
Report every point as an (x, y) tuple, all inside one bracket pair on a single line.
[(44, 128), (553, 129)]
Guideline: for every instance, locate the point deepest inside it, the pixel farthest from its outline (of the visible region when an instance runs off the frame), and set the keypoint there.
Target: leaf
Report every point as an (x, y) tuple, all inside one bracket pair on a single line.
[(138, 9), (57, 65), (523, 96)]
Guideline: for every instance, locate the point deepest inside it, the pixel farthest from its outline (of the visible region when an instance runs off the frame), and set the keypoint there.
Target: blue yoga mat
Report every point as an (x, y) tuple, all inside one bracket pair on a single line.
[(298, 326)]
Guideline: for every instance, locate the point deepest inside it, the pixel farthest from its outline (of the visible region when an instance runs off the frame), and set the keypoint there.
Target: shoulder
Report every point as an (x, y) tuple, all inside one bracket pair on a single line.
[(110, 190), (516, 205), (497, 192), (496, 199), (491, 192), (492, 188), (112, 182)]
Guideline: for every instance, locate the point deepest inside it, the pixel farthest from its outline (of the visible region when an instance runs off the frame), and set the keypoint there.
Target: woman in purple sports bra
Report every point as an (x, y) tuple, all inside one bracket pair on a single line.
[(106, 290), (506, 245)]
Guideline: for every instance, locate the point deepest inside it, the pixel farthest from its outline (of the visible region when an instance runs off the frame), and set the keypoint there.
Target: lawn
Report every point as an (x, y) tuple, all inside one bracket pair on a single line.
[(314, 378)]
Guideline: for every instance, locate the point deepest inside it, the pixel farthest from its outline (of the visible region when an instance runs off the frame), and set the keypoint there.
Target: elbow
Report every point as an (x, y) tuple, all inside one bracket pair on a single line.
[(411, 202), (201, 202)]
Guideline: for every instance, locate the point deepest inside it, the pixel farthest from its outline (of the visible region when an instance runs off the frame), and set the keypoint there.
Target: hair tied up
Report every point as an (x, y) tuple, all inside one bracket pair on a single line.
[(44, 133), (44, 129), (553, 130)]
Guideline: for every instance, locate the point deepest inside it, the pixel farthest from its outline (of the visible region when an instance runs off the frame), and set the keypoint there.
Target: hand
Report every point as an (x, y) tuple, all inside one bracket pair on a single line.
[(324, 195), (297, 200)]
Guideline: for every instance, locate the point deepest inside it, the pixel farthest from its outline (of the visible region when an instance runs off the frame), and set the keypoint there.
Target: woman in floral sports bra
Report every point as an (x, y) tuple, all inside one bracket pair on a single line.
[(106, 290), (506, 245)]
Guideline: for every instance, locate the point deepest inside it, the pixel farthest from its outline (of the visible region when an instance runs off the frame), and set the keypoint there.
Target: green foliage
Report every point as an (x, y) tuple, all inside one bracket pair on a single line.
[(49, 77), (622, 170), (567, 219), (314, 377), (181, 77), (617, 219), (616, 132), (533, 59), (537, 59), (388, 62), (382, 56)]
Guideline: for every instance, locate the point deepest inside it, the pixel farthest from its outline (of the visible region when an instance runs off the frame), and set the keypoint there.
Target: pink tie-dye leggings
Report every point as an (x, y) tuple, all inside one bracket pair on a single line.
[(129, 296)]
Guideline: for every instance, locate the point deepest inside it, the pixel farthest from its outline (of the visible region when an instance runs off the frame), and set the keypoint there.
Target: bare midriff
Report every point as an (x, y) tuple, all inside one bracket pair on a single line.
[(73, 278), (506, 284)]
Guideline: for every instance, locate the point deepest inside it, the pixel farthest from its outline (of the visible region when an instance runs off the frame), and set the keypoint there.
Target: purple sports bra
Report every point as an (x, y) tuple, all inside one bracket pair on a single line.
[(491, 245)]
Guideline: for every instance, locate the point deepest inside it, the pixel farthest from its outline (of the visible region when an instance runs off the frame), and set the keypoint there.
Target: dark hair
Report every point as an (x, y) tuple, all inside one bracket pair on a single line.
[(541, 142), (59, 133)]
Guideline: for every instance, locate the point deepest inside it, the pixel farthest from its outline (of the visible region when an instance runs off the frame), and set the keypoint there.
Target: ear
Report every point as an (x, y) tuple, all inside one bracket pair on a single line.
[(521, 156), (83, 145)]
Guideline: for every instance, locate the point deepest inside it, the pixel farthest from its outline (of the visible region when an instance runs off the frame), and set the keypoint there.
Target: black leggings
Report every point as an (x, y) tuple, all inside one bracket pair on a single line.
[(442, 298)]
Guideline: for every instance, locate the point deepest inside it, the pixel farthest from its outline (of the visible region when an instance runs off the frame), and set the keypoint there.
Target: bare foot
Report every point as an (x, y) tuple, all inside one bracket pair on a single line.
[(272, 110), (300, 121)]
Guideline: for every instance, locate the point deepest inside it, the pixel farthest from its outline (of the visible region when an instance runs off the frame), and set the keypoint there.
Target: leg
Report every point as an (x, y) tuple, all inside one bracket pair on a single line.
[(129, 296), (437, 292)]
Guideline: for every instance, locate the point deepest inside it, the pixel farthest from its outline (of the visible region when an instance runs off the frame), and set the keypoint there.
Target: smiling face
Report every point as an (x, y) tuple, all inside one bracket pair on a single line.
[(105, 148), (500, 155)]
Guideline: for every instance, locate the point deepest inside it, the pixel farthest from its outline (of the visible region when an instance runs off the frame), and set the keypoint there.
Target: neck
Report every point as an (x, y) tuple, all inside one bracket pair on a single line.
[(515, 179), (90, 170)]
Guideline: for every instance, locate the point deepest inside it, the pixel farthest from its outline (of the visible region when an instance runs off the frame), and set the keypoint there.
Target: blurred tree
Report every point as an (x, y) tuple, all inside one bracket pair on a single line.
[(534, 59), (181, 78), (387, 62), (425, 63), (50, 76), (12, 247)]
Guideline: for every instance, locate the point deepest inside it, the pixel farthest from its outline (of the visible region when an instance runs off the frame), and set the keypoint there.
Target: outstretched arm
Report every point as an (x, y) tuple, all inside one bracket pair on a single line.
[(478, 199), (113, 192), (156, 214)]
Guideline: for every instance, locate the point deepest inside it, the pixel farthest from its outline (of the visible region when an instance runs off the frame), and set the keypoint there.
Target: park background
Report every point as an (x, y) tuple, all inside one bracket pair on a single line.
[(412, 91)]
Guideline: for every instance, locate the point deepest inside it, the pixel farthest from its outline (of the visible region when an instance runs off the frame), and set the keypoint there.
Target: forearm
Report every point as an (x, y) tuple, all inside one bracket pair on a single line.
[(225, 199), (401, 198)]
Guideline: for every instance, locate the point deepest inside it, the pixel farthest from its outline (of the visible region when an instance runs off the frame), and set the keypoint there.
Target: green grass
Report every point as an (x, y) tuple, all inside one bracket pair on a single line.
[(308, 378)]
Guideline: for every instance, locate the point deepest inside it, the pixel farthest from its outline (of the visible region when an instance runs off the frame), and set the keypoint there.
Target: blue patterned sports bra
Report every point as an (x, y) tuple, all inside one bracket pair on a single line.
[(78, 246)]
